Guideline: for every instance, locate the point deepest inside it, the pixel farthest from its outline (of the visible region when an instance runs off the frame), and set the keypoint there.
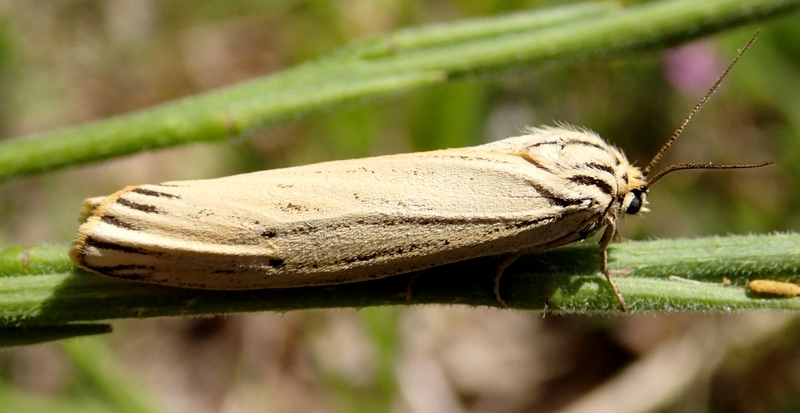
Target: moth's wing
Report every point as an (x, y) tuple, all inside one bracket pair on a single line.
[(575, 155), (333, 222), (89, 205)]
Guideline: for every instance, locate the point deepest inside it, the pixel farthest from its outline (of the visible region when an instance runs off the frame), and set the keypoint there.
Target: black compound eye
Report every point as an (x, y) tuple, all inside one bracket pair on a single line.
[(636, 203)]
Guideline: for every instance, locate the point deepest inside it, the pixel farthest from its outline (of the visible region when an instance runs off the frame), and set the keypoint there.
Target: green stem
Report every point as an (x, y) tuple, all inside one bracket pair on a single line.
[(97, 366), (20, 336), (400, 62), (668, 275)]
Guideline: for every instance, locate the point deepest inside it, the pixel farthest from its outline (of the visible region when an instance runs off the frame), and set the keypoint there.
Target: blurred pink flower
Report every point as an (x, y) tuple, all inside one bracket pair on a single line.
[(693, 68)]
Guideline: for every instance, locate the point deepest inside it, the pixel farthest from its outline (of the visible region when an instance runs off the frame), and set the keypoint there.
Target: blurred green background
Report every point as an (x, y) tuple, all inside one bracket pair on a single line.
[(64, 63)]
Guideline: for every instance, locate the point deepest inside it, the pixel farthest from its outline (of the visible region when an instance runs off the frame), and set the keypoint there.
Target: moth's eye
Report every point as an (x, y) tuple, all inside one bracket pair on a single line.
[(636, 202)]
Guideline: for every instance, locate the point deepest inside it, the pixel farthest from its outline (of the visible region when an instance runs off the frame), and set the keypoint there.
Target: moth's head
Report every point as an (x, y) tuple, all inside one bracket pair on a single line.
[(634, 199)]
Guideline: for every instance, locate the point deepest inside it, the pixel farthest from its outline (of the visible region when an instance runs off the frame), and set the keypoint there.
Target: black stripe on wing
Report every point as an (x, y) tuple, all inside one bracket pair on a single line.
[(114, 221), (587, 180), (150, 209), (127, 272), (150, 192), (564, 143), (554, 199), (110, 246), (602, 167)]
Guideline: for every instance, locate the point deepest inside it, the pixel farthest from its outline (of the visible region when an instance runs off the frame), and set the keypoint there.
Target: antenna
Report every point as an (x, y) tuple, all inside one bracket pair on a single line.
[(681, 166), (686, 121)]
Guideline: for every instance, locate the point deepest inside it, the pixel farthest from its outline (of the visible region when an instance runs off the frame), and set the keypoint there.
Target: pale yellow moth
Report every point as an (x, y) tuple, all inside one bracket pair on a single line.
[(356, 220)]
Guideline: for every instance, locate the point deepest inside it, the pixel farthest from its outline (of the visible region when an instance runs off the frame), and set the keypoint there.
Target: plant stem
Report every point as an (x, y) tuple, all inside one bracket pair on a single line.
[(388, 65), (668, 275)]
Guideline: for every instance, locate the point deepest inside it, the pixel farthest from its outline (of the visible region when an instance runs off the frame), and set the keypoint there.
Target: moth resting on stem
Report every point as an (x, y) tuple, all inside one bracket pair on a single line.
[(361, 219)]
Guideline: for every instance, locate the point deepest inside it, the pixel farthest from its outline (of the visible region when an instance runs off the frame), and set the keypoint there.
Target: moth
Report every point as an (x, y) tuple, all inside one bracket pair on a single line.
[(356, 220)]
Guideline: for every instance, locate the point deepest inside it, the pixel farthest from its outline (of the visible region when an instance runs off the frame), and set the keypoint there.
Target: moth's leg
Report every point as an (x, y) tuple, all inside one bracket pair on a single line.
[(411, 282), (608, 235), (511, 259), (500, 269)]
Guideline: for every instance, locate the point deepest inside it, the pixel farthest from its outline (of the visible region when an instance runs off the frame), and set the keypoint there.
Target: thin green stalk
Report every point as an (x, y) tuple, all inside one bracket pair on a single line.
[(22, 336), (668, 275), (16, 399), (96, 364), (396, 63), (444, 35)]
